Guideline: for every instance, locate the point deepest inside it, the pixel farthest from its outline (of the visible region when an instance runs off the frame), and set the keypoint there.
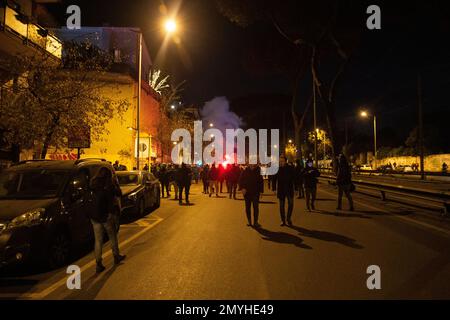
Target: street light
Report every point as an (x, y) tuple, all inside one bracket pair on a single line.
[(170, 25), (365, 114), (290, 141), (172, 107), (211, 125)]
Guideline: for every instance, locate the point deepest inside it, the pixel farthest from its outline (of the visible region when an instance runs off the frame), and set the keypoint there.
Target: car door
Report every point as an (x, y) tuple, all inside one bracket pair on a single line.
[(78, 206), (147, 190)]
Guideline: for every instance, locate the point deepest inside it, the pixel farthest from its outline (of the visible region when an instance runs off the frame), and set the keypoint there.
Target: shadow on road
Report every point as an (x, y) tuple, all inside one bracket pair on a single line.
[(328, 236), (343, 214), (92, 286), (282, 237)]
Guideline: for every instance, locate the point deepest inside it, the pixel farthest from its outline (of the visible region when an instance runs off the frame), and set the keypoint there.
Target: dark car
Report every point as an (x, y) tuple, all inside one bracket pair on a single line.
[(140, 190), (44, 208)]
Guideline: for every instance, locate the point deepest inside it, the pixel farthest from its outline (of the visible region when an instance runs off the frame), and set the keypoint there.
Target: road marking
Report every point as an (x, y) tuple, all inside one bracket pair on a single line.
[(410, 220), (62, 282)]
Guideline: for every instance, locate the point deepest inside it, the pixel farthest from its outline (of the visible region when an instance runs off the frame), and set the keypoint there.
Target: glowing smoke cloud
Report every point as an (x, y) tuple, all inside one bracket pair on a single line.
[(217, 111)]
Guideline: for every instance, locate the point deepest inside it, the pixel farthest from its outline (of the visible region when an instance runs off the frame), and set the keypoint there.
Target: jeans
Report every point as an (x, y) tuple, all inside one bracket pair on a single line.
[(99, 230), (205, 186), (345, 189), (311, 193), (290, 207), (186, 192), (213, 187), (249, 201), (232, 187)]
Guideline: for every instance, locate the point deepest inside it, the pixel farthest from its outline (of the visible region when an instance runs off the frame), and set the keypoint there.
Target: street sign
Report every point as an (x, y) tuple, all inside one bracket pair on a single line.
[(79, 138)]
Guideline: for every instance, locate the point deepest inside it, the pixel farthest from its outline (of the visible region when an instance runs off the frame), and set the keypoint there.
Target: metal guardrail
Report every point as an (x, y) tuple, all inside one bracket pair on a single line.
[(441, 199), (393, 172)]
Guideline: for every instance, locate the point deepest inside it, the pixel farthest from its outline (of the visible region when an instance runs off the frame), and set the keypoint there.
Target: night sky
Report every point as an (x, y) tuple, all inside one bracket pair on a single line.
[(381, 75)]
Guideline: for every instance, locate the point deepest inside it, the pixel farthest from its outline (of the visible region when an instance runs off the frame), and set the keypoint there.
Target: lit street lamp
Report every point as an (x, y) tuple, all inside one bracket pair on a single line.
[(365, 114), (170, 26)]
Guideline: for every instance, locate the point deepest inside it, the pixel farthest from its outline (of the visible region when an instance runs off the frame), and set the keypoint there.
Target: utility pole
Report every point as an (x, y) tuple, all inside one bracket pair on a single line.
[(315, 125), (421, 146), (139, 102)]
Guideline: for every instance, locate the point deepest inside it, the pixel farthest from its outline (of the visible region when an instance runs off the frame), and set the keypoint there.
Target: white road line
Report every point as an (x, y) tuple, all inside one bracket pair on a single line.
[(423, 224), (62, 282)]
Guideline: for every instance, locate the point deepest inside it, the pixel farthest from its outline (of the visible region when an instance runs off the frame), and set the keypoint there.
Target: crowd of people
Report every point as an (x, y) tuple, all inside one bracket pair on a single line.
[(297, 179)]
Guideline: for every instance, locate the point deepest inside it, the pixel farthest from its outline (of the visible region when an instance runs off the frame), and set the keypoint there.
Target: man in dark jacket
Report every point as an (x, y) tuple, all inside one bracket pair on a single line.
[(283, 183), (344, 182), (184, 178), (105, 190), (164, 180), (310, 175), (213, 177), (251, 184), (232, 177), (299, 179), (204, 177)]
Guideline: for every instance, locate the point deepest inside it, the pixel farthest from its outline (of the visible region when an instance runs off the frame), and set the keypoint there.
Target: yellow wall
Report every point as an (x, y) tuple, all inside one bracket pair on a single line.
[(118, 137)]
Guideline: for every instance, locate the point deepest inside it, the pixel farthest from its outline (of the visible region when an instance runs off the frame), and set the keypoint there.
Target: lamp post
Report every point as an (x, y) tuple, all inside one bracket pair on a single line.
[(139, 100), (315, 125), (364, 114)]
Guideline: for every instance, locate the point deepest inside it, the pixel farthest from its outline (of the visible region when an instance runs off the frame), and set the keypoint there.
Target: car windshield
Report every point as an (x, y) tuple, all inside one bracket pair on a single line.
[(128, 179), (31, 184)]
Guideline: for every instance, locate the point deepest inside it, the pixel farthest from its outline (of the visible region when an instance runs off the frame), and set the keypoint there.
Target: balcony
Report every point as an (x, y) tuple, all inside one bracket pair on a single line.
[(17, 25)]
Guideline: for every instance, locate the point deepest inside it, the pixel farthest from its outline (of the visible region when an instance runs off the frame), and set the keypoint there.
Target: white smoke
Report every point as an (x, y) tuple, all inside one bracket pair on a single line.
[(217, 112)]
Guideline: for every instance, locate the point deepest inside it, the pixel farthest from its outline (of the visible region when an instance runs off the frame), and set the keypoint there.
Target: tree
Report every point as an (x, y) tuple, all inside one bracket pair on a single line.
[(312, 30), (45, 101)]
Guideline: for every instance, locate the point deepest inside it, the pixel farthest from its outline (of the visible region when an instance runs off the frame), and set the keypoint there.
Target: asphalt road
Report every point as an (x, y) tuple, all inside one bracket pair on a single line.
[(206, 251)]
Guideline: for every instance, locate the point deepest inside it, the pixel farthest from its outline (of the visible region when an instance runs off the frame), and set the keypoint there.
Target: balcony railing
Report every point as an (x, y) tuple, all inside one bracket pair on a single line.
[(13, 22)]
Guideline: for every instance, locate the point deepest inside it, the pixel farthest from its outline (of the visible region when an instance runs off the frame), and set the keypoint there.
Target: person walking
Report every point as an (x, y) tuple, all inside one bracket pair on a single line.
[(251, 184), (310, 175), (233, 175), (204, 177), (102, 217), (213, 176), (283, 182), (344, 182), (299, 179), (184, 178), (145, 167), (172, 178), (221, 176), (164, 180)]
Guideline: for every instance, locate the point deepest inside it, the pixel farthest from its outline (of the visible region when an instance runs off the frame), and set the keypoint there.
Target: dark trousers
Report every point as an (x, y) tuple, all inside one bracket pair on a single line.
[(311, 193), (221, 185), (165, 187), (301, 190), (345, 189), (232, 187), (186, 188), (249, 201), (290, 207), (205, 186)]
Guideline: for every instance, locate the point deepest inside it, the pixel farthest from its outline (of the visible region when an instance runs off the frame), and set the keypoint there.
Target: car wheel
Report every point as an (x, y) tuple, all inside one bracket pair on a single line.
[(59, 250)]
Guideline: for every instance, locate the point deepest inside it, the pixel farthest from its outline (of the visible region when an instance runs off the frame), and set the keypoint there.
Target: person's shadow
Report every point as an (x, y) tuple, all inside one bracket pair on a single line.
[(328, 236), (282, 237)]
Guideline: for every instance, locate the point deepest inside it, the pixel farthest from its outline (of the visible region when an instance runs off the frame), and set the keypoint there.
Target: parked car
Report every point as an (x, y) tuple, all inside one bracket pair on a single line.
[(405, 168), (365, 167), (385, 168), (44, 209), (140, 191)]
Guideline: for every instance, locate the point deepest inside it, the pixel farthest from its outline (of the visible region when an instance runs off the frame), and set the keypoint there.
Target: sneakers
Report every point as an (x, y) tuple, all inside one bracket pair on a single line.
[(289, 223), (100, 268), (118, 259), (283, 224)]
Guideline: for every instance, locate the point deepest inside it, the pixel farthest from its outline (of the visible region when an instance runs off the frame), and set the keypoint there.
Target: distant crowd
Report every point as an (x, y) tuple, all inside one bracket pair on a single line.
[(297, 179)]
